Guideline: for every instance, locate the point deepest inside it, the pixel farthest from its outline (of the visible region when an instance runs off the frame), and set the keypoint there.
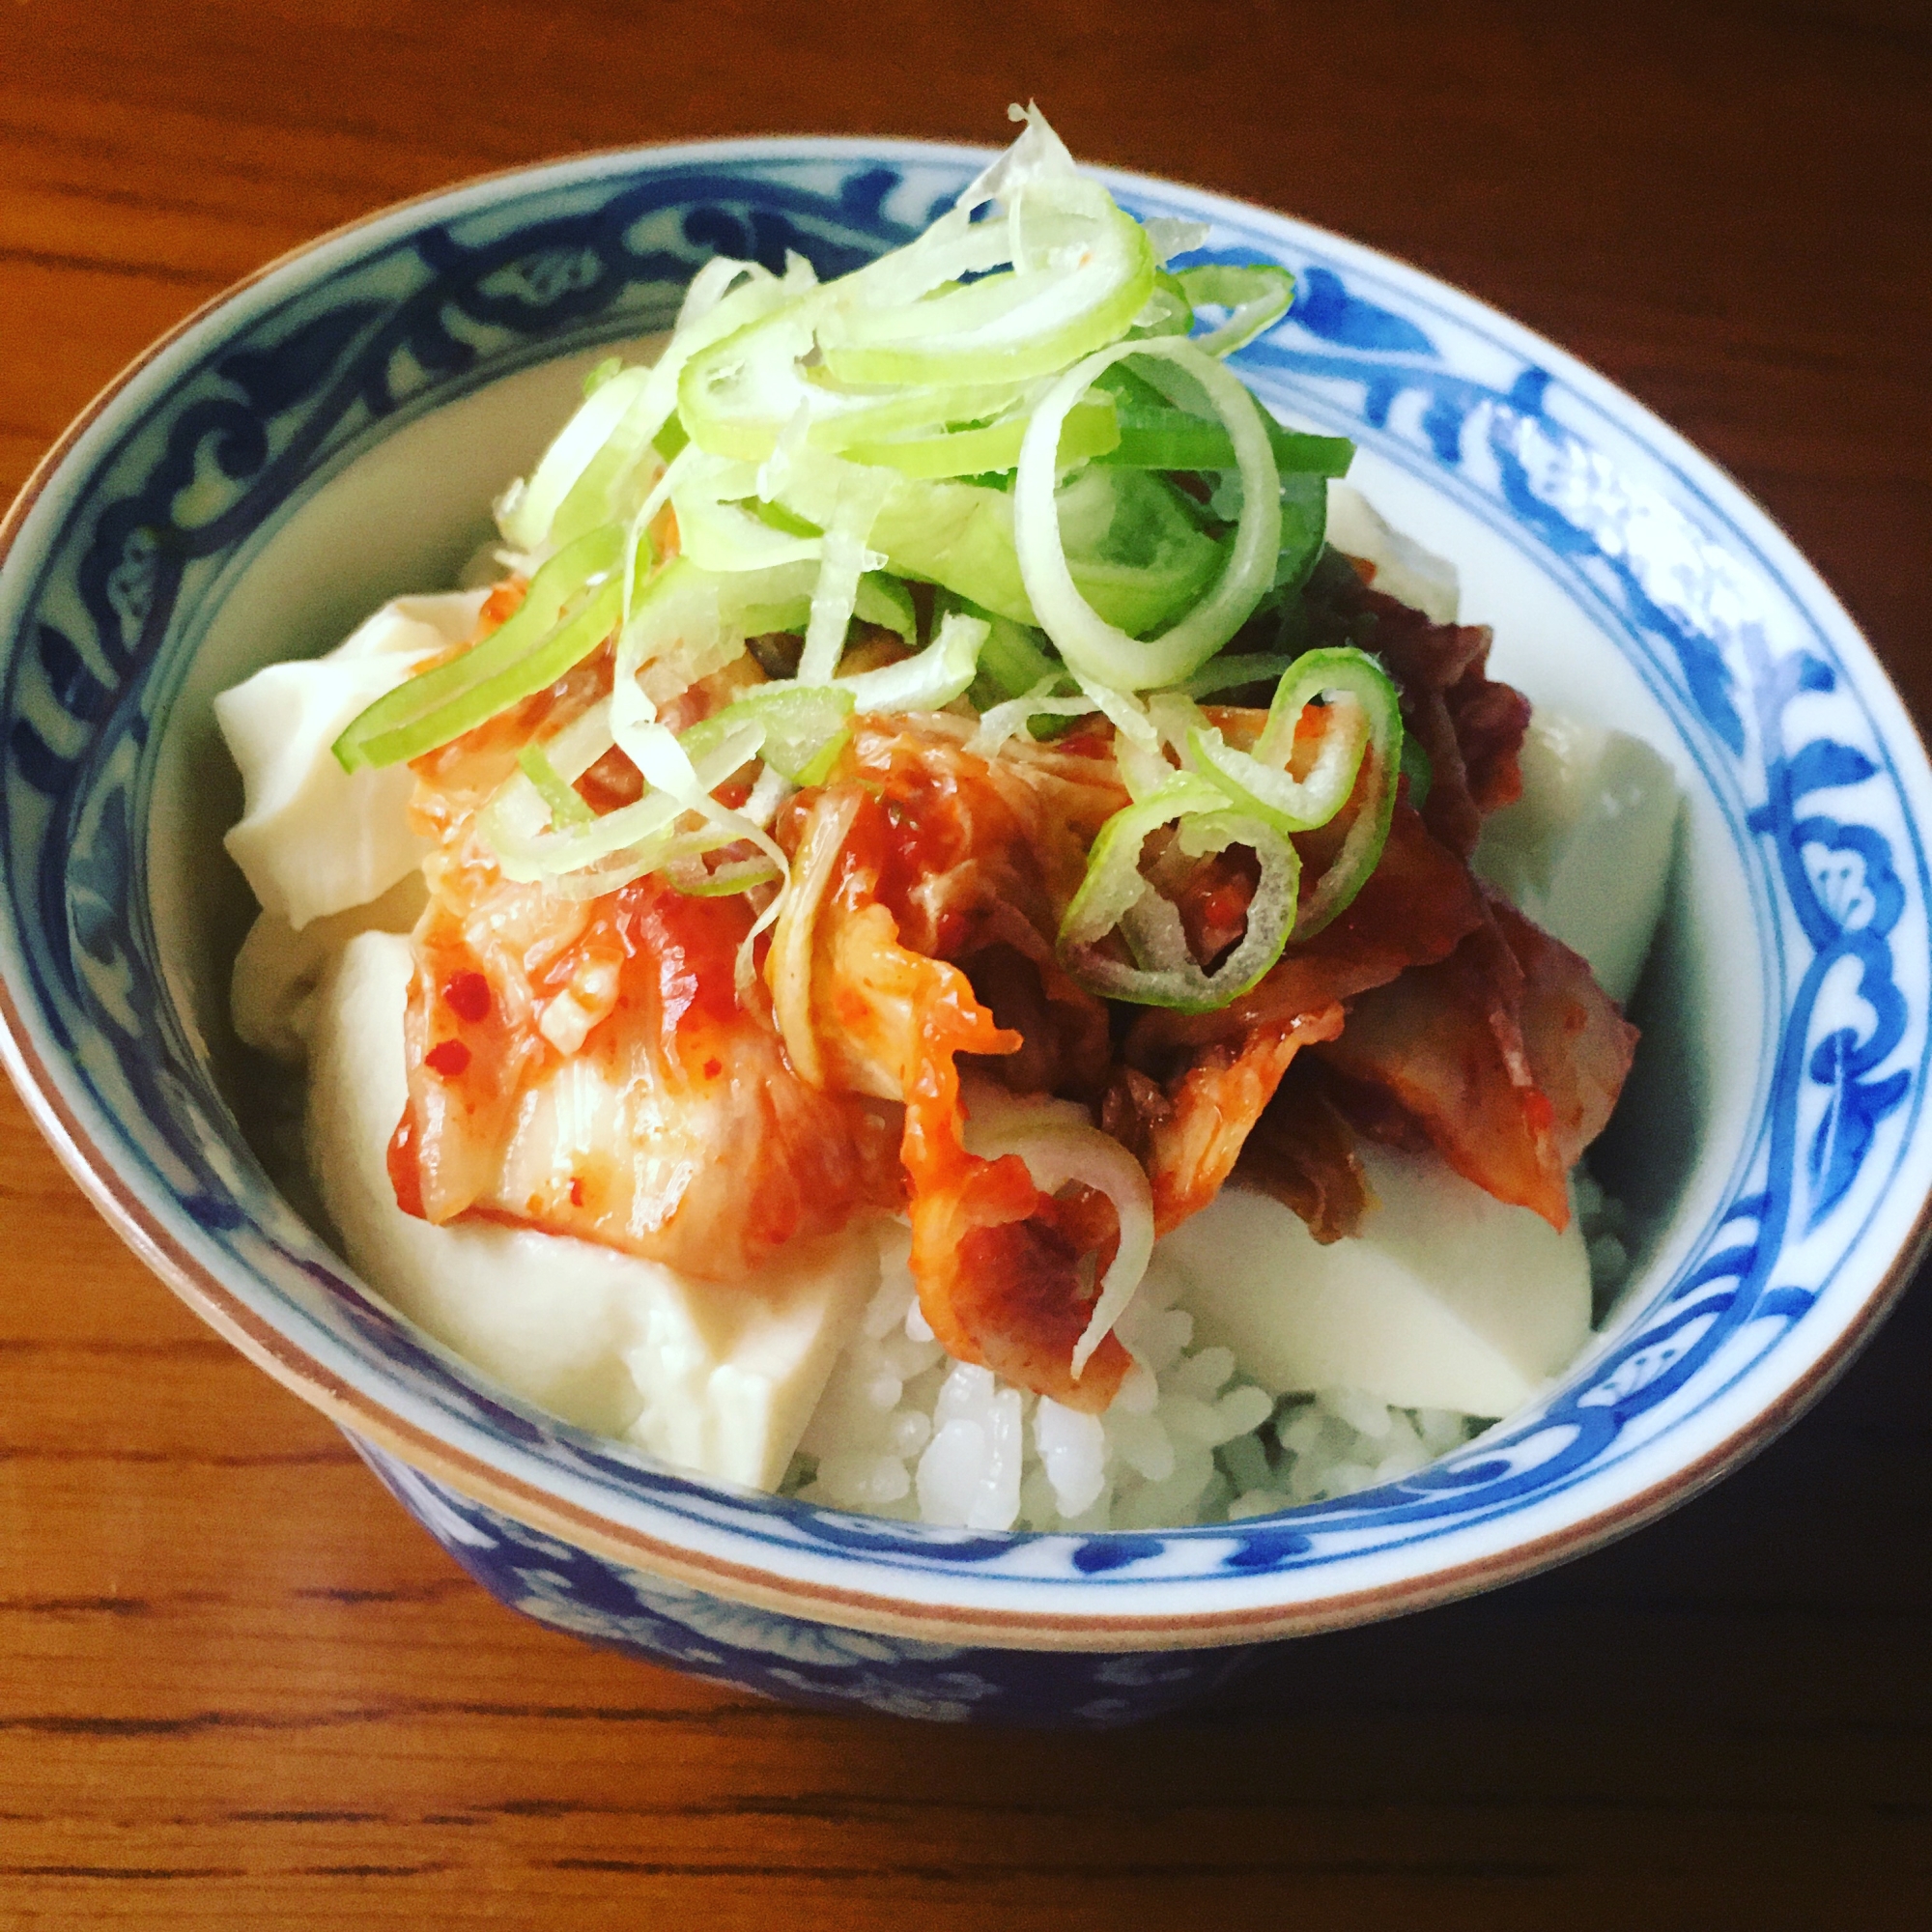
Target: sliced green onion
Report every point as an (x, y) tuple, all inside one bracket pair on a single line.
[(713, 282), (798, 721), (566, 807), (633, 407), (1257, 295), (886, 602), (951, 252), (1006, 327), (1298, 452), (1172, 235), (619, 473), (1038, 155), (1418, 768), (1115, 897), (736, 395), (1092, 431), (529, 650), (873, 416), (818, 437), (719, 529), (1167, 438), (1039, 703), (835, 596), (524, 516), (672, 436), (1360, 677), (760, 620), (697, 620), (1136, 556), (1368, 724), (690, 875), (1168, 311), (820, 766), (929, 681), (1231, 673), (1084, 638), (583, 860), (1129, 717), (1174, 716)]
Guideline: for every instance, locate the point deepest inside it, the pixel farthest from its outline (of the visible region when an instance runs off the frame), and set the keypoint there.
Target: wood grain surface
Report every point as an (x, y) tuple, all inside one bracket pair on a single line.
[(238, 1689)]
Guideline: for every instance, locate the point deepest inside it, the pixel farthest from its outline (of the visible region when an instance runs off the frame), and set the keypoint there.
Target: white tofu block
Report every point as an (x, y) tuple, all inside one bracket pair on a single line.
[(1586, 851), (279, 971), (719, 1378), (1448, 1299), (1404, 569), (313, 839)]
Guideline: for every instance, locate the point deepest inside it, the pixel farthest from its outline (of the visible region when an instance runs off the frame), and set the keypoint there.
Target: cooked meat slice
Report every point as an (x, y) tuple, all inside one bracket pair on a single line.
[(1462, 1047), (1302, 1151)]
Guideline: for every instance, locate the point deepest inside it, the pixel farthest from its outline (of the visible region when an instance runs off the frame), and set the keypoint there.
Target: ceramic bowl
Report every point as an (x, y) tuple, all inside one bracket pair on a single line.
[(330, 434)]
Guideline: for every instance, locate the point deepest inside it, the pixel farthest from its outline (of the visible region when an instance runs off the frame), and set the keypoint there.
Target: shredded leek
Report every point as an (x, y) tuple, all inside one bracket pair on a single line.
[(1029, 321), (931, 681), (568, 610), (566, 807), (1256, 295), (1017, 445), (802, 726), (1084, 638), (1092, 431)]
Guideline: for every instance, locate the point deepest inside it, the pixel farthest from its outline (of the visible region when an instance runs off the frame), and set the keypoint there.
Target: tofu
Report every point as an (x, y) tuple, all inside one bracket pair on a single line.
[(1448, 1299), (279, 971), (1586, 851), (314, 840), (1404, 569), (718, 1377)]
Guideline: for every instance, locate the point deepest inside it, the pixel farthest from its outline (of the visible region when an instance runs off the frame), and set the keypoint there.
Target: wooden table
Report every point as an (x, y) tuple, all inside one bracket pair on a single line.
[(239, 1690)]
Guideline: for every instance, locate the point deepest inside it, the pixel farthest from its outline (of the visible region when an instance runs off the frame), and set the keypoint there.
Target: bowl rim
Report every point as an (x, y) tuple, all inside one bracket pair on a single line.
[(158, 1246)]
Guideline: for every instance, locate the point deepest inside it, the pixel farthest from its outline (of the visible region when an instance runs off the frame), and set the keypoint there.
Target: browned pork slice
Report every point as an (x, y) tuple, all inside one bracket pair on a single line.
[(1470, 725), (1195, 1085), (1302, 1151), (1507, 1056)]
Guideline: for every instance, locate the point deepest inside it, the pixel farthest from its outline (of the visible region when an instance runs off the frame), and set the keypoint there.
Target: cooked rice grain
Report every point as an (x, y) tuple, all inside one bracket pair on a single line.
[(904, 1432)]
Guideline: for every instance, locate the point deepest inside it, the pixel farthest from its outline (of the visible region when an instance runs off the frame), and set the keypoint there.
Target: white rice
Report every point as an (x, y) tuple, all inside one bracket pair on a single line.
[(904, 1432)]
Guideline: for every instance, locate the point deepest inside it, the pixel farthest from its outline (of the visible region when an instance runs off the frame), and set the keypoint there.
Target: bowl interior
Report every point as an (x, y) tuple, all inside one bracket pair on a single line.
[(334, 436)]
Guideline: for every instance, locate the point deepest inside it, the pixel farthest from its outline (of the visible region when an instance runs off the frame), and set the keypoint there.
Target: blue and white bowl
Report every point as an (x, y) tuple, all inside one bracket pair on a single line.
[(330, 433)]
